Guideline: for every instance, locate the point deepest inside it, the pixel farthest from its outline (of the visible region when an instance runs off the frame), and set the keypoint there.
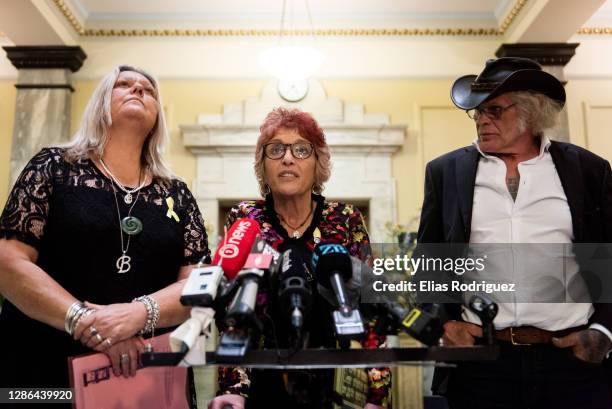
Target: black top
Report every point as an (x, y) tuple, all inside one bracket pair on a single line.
[(67, 211)]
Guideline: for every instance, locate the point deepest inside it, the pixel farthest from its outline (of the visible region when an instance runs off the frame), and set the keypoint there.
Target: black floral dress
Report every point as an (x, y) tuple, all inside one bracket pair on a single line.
[(67, 212), (333, 222)]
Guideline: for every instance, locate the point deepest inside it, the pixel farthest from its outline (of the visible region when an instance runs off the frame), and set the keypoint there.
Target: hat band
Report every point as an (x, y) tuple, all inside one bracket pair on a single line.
[(484, 86)]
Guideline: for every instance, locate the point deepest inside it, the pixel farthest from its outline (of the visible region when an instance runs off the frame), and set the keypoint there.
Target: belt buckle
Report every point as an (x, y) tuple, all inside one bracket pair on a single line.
[(512, 338)]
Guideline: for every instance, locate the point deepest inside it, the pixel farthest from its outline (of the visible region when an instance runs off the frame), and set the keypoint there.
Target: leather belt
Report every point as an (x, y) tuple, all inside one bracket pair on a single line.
[(532, 335)]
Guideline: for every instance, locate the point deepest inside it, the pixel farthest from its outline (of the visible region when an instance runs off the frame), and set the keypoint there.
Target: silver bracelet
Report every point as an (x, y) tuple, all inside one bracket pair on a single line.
[(75, 312), (87, 312), (152, 307), (70, 314)]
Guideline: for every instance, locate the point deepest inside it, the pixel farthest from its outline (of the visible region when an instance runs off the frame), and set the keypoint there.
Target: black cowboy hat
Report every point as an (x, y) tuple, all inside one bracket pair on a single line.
[(503, 75)]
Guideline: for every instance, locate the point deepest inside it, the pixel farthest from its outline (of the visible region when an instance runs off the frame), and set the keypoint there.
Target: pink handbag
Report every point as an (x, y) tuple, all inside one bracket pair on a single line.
[(96, 387)]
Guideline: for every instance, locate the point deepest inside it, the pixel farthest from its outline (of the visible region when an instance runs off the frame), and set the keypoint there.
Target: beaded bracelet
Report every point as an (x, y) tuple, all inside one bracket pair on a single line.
[(152, 307)]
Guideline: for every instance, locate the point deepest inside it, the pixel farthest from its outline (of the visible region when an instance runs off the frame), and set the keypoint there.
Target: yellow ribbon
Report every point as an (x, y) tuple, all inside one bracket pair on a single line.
[(171, 212)]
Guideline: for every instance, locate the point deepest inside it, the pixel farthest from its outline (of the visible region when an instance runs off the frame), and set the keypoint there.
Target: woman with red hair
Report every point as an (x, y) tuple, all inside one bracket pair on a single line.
[(292, 164)]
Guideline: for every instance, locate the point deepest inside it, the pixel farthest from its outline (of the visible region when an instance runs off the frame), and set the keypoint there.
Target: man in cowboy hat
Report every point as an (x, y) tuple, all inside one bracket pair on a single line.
[(514, 185)]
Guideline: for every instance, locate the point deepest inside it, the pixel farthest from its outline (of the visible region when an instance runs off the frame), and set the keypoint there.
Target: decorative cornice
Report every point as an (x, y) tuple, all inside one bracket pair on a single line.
[(70, 16), (595, 31), (516, 9), (543, 53), (340, 32), (51, 56), (332, 32)]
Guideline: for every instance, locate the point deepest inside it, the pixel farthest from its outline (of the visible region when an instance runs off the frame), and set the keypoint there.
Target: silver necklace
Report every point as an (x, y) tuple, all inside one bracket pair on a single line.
[(128, 192), (131, 226)]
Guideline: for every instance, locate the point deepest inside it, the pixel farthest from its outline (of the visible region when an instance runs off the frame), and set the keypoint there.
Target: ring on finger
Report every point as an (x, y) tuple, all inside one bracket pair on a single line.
[(93, 331), (99, 338), (125, 358), (109, 342)]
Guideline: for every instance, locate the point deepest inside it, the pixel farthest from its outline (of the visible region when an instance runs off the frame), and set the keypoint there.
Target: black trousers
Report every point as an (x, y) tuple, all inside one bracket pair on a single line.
[(533, 376)]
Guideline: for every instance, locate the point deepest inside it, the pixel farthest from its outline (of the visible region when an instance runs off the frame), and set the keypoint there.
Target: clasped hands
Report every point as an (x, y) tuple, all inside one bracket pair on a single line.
[(113, 329)]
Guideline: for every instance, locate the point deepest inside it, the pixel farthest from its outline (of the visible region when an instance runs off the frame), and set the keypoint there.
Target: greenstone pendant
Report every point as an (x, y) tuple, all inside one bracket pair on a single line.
[(131, 225)]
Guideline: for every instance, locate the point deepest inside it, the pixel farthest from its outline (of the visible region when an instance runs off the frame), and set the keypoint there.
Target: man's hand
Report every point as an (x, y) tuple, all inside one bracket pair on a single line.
[(228, 400), (588, 345), (461, 334)]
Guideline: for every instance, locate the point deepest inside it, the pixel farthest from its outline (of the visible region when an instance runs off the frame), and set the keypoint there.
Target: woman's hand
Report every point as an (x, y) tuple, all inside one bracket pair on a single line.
[(124, 356), (227, 401), (110, 324)]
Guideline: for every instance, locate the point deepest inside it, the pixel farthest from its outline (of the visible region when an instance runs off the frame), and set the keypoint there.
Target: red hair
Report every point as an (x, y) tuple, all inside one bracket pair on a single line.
[(306, 126), (294, 119)]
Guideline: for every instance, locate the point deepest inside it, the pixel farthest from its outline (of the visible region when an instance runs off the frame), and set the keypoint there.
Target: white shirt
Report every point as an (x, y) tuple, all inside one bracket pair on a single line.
[(540, 214)]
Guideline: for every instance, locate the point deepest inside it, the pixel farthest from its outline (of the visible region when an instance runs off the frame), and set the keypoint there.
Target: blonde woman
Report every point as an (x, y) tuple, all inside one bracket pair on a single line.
[(94, 239)]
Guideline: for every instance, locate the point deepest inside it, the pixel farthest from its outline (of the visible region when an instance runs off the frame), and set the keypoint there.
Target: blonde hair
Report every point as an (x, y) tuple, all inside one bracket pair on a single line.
[(308, 128), (92, 136), (537, 112)]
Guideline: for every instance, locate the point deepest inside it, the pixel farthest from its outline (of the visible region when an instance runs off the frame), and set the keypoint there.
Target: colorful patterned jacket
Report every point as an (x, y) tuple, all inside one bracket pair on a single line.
[(333, 222)]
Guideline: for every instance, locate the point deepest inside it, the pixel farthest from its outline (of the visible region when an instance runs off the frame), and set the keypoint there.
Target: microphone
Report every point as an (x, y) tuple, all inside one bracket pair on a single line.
[(486, 310), (422, 322), (237, 243), (260, 259), (240, 317), (263, 256), (332, 265), (204, 282), (294, 292), (242, 307), (202, 286)]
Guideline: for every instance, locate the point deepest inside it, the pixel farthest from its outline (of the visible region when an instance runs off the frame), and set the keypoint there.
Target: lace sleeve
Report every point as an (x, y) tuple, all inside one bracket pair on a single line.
[(195, 238), (25, 215)]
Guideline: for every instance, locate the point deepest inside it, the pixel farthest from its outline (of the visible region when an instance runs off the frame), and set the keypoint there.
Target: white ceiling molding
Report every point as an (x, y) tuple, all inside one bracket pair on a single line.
[(385, 18)]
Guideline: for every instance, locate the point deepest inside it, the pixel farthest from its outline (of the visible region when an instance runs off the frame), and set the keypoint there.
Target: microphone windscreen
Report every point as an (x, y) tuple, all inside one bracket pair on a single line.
[(293, 265), (235, 247), (329, 258)]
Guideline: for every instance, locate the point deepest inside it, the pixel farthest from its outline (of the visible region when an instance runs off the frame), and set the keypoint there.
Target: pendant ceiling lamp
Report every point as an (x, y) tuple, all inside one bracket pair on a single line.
[(291, 59)]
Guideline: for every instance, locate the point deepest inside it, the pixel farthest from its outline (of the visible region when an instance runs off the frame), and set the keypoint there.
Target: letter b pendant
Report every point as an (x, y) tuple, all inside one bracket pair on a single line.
[(123, 264)]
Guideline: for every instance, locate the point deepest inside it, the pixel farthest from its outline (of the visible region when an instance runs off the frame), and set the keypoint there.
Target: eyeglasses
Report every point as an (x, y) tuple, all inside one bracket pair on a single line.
[(494, 111), (299, 150)]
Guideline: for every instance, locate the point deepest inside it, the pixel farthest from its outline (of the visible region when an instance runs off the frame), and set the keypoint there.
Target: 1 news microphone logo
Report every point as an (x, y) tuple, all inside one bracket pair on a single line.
[(230, 248)]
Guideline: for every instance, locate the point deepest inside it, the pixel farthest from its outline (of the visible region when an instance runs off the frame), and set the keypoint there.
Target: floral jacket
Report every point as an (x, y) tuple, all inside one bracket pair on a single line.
[(333, 222)]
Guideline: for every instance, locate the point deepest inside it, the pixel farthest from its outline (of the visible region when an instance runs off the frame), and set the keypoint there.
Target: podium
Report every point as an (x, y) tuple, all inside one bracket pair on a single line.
[(336, 358)]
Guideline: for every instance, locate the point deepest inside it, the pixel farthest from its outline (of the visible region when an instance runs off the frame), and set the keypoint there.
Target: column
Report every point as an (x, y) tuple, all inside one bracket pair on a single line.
[(553, 57), (42, 104)]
